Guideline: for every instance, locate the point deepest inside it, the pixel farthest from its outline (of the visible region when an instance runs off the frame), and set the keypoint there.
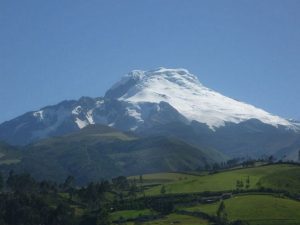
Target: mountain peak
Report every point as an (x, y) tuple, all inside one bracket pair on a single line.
[(135, 74), (161, 70), (139, 79), (168, 73), (183, 91)]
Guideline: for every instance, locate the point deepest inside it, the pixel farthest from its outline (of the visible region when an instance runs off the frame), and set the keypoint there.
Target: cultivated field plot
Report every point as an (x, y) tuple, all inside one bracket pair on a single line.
[(166, 220), (278, 177), (257, 210)]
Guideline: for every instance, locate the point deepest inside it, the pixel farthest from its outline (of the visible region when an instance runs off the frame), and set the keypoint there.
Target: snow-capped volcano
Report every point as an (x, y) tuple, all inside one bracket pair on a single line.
[(183, 91), (141, 102)]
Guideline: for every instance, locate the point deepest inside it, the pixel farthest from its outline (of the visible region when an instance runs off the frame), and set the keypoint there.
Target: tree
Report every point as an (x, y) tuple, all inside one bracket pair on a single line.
[(207, 167), (90, 196), (1, 182), (239, 222), (101, 217), (46, 187), (162, 206), (69, 182), (247, 183), (133, 190), (69, 186), (120, 183), (221, 214), (23, 209), (63, 214), (141, 179), (249, 163), (21, 182), (239, 184), (141, 185), (216, 166), (271, 159), (233, 162), (163, 190)]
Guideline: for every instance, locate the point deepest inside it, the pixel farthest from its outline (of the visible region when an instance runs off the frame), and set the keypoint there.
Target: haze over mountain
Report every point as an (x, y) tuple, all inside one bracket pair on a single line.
[(153, 102), (96, 152)]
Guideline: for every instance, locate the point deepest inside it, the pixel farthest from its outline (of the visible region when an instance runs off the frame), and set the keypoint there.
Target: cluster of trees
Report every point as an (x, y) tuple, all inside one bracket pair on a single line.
[(231, 163), (24, 201), (240, 184), (239, 162), (162, 206), (28, 209)]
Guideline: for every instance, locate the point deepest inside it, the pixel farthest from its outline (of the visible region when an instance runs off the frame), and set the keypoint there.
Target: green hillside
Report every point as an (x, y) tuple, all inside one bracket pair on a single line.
[(278, 177), (257, 209), (194, 197), (136, 200)]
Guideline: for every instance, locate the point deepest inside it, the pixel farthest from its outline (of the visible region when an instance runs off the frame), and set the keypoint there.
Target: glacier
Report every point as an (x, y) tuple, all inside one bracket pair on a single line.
[(183, 91)]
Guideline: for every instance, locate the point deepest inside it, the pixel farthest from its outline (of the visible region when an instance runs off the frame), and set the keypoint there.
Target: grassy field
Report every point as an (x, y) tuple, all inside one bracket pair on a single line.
[(285, 180), (279, 176), (167, 220), (130, 214), (257, 210), (254, 208), (177, 219)]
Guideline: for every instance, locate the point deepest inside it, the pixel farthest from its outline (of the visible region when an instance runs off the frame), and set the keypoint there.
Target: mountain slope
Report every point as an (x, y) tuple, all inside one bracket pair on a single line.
[(97, 152), (70, 116), (9, 155), (251, 138)]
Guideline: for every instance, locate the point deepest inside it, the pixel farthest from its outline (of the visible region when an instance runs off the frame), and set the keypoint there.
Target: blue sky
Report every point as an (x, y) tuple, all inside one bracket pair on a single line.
[(63, 49)]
